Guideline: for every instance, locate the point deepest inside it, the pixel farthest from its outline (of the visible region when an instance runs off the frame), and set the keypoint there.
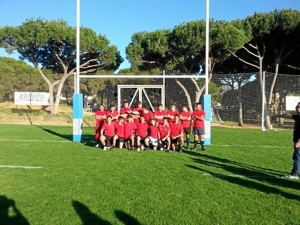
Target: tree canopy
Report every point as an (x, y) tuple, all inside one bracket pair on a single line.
[(52, 45)]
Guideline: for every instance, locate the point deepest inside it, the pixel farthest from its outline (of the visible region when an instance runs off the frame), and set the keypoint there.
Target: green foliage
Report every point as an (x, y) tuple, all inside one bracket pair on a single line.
[(16, 75), (53, 45)]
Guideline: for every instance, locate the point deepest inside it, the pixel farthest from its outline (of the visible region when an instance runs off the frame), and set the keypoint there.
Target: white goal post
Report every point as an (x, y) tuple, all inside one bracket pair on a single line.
[(140, 94), (140, 90)]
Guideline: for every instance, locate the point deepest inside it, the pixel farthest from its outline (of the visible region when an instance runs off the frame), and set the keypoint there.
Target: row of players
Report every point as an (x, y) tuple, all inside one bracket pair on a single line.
[(141, 128)]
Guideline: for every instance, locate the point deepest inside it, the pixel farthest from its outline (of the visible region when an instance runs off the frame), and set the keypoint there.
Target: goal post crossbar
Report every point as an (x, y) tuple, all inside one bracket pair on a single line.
[(143, 76)]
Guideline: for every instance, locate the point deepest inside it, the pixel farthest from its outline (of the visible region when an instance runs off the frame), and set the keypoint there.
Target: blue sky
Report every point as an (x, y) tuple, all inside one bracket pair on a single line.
[(118, 20)]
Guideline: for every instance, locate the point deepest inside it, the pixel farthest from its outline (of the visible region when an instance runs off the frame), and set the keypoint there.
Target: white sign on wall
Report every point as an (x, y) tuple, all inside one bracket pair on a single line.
[(31, 98), (291, 102)]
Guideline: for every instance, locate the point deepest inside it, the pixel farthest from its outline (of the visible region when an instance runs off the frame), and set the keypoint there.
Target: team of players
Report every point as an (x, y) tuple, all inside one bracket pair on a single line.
[(139, 128)]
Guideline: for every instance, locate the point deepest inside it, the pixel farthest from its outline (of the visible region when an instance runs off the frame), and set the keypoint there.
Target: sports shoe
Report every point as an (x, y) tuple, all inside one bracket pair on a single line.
[(138, 149), (203, 148), (180, 150), (105, 148), (97, 145), (291, 177)]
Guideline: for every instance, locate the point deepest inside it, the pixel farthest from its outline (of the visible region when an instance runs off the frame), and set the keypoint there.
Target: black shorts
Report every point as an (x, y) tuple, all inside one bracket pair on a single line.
[(187, 130), (174, 141)]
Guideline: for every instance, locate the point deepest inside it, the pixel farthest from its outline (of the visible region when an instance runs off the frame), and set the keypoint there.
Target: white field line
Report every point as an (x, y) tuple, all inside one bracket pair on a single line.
[(34, 140), (218, 145), (253, 146), (240, 176), (20, 167)]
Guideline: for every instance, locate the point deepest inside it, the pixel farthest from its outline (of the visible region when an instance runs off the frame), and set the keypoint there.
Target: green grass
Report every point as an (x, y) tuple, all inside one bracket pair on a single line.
[(234, 182)]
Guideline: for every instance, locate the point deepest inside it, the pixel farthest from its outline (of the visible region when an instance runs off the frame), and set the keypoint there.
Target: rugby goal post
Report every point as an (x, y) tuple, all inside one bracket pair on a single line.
[(140, 90)]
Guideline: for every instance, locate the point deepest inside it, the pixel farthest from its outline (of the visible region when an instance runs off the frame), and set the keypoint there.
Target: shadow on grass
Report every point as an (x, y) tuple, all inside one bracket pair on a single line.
[(249, 184), (126, 218), (87, 139), (246, 175), (87, 217), (65, 136), (9, 213), (211, 158)]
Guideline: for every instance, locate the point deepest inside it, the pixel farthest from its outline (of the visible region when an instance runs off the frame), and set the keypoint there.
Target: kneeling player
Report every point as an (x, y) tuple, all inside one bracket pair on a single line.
[(129, 129), (176, 134), (119, 133), (153, 135), (141, 133), (164, 131), (107, 133)]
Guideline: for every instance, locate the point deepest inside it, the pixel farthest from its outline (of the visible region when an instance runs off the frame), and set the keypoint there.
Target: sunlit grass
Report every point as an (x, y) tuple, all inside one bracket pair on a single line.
[(236, 181)]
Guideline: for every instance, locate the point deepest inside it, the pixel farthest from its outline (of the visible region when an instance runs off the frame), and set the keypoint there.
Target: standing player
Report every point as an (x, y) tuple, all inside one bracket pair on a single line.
[(176, 134), (125, 110), (185, 117), (141, 133), (153, 135), (147, 114), (129, 129), (159, 114), (172, 112), (137, 111), (198, 117), (164, 133), (119, 133), (113, 113), (107, 133), (100, 117), (296, 139)]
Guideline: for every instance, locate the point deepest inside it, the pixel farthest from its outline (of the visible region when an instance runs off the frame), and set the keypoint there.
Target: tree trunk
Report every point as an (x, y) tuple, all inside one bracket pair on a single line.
[(240, 104), (186, 93)]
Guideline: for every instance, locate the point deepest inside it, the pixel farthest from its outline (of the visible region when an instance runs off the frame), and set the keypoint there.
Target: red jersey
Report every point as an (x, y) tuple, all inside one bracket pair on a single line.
[(185, 122), (119, 129), (124, 110), (141, 129), (114, 114), (129, 127), (171, 114), (108, 129), (153, 131), (149, 115), (176, 129), (198, 123), (163, 130), (100, 118), (158, 115)]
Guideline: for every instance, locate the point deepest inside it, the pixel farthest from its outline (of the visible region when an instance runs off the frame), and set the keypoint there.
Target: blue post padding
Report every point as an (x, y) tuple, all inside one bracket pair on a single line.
[(206, 103), (77, 117)]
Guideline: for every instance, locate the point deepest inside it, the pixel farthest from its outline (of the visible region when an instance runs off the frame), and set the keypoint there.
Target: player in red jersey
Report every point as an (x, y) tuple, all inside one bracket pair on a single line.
[(107, 133), (137, 111), (119, 133), (147, 114), (141, 133), (172, 112), (160, 113), (113, 113), (125, 110), (100, 117), (198, 117), (153, 135), (129, 132), (185, 117), (176, 134), (164, 131)]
